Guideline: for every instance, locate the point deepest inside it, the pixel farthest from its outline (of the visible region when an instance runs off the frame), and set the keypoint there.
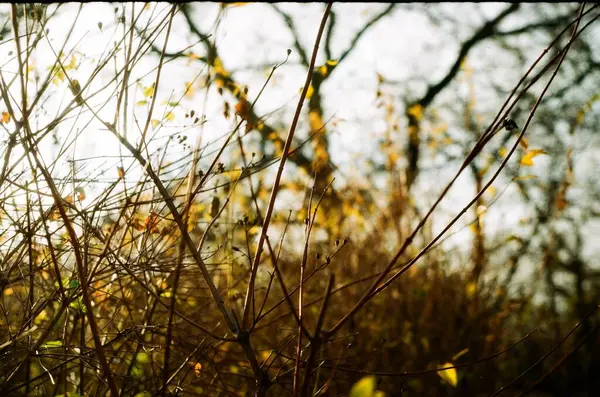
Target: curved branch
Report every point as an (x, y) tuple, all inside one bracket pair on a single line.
[(486, 31), (364, 29)]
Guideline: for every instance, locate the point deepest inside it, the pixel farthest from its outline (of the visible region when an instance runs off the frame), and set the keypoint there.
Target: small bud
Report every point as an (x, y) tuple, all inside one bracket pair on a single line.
[(509, 124)]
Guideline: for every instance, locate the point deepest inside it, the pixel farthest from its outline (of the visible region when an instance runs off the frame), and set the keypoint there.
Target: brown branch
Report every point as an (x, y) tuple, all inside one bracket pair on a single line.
[(486, 31), (364, 29), (376, 288), (286, 149)]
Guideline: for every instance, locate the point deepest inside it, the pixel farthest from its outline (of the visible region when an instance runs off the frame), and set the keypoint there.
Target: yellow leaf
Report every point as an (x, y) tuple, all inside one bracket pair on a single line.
[(470, 291), (527, 159), (473, 227), (189, 90), (235, 4), (416, 111), (149, 91), (524, 144), (326, 69), (121, 172), (72, 64), (460, 354), (364, 387), (450, 375), (60, 76), (315, 120), (5, 117), (502, 152), (80, 193), (54, 214), (41, 317), (170, 116), (197, 368), (219, 68), (242, 109), (141, 103), (155, 123), (310, 92)]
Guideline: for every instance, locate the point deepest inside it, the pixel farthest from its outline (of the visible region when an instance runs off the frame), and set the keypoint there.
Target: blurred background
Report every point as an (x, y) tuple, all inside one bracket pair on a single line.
[(399, 96)]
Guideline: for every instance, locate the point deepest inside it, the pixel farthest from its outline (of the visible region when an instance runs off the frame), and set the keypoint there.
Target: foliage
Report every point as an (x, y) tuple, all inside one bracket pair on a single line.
[(165, 231)]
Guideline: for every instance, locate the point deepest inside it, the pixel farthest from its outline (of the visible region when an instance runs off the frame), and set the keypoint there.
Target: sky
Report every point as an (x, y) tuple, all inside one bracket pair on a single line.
[(406, 47)]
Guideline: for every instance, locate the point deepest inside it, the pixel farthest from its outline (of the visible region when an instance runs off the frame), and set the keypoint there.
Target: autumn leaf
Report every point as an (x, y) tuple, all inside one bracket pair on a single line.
[(121, 172), (310, 92), (155, 123), (59, 76), (219, 68), (40, 318), (80, 193), (460, 354), (151, 221), (170, 116), (450, 375), (54, 214), (189, 90), (325, 70), (78, 305), (5, 117), (197, 369), (527, 159), (524, 144), (322, 70), (416, 111), (242, 109), (471, 289), (315, 120), (364, 387), (72, 65), (141, 103), (149, 91), (235, 4)]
